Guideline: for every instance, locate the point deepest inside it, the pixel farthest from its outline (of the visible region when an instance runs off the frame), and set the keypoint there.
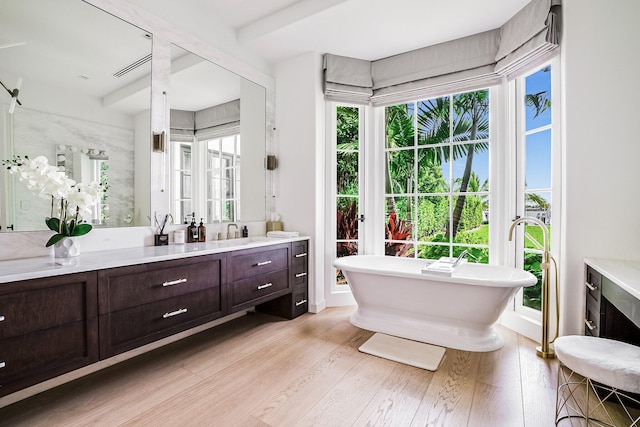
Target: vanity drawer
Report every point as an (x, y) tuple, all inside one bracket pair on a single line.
[(126, 287), (593, 284), (592, 318), (253, 262), (38, 304), (127, 329), (29, 359), (247, 292)]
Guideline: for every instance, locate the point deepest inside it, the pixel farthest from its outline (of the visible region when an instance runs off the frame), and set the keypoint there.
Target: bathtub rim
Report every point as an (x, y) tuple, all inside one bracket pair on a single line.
[(527, 280)]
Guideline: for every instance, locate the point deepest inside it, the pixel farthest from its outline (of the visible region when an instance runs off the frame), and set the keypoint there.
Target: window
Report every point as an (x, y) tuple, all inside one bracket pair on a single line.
[(347, 183), (437, 177), (534, 162), (206, 179)]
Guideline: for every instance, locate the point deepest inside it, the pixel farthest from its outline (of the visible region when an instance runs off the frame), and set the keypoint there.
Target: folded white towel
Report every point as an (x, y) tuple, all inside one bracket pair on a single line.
[(443, 266), (282, 234)]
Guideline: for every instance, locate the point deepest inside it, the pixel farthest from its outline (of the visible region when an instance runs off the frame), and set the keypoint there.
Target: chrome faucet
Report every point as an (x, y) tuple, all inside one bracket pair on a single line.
[(229, 235), (544, 350), (459, 259)]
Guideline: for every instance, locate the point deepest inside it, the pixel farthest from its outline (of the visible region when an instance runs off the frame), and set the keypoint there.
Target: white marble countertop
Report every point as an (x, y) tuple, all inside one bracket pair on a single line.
[(33, 268), (624, 273)]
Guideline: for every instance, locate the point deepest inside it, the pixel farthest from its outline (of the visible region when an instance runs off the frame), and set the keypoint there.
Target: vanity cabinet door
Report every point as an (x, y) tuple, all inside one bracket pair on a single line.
[(47, 327), (143, 303)]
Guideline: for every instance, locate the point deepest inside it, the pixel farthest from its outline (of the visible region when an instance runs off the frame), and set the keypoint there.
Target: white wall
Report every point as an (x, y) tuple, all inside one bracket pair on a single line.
[(300, 151), (600, 60)]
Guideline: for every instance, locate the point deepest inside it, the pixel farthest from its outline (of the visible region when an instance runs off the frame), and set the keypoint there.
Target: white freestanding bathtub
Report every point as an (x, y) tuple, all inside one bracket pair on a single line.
[(394, 297)]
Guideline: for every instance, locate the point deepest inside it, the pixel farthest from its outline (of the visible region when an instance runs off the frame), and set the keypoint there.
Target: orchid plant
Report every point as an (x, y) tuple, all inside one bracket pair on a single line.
[(69, 200)]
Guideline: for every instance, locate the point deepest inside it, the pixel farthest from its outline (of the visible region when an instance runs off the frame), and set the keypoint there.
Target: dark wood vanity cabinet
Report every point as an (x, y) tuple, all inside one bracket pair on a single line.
[(143, 303), (297, 302), (54, 325), (48, 327), (258, 275), (610, 311)]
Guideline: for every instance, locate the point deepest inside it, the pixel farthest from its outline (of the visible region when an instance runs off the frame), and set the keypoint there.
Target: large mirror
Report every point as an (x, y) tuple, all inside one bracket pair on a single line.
[(217, 142), (85, 94)]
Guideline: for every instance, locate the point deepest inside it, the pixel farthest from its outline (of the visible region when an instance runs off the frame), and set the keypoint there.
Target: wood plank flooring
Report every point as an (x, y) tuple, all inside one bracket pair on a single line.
[(263, 371)]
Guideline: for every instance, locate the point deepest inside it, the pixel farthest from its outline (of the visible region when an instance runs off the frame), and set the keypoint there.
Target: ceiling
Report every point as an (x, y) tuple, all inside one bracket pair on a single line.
[(367, 29), (61, 45)]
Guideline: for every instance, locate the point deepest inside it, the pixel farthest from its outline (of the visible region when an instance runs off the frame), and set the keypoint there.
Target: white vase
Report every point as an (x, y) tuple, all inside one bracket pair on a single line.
[(69, 247)]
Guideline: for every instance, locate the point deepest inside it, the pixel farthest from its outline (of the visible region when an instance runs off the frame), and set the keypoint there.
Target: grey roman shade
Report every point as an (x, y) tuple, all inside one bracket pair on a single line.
[(465, 63), (347, 79), (183, 125), (220, 120), (223, 119), (527, 40)]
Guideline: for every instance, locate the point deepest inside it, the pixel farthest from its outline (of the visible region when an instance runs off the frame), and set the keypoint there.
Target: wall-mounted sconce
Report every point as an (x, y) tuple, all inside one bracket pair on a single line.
[(159, 140), (272, 162)]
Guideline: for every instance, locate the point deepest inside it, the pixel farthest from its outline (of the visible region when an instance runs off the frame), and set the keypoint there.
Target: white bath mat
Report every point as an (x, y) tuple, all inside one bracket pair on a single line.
[(414, 353)]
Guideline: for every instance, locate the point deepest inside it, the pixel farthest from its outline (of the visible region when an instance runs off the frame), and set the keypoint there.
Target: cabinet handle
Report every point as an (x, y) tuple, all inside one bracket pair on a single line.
[(3, 364), (301, 274), (590, 286), (301, 255), (1, 318), (301, 302), (174, 313), (263, 263), (266, 285), (174, 282), (589, 324)]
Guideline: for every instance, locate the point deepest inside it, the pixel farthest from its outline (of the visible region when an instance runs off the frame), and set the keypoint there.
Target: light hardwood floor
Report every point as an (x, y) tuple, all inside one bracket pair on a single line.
[(263, 371)]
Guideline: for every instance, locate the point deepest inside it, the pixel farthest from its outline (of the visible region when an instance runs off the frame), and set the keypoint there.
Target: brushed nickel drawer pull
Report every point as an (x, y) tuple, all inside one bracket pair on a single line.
[(174, 313), (174, 282), (1, 318), (266, 285), (301, 255), (3, 364), (301, 274), (590, 324), (260, 264), (590, 286), (301, 302)]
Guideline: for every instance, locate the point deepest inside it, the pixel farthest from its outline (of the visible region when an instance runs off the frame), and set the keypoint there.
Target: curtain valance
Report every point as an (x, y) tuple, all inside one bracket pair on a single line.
[(525, 41)]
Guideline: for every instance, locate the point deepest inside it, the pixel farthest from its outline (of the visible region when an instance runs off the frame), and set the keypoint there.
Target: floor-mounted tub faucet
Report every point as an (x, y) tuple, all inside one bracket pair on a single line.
[(544, 350)]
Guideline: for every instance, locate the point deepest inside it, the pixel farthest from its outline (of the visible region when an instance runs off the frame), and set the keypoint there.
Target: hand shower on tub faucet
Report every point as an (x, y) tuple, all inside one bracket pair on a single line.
[(460, 257)]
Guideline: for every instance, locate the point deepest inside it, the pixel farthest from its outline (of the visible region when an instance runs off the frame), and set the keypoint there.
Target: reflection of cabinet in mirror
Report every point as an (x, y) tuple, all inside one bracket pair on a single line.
[(217, 142)]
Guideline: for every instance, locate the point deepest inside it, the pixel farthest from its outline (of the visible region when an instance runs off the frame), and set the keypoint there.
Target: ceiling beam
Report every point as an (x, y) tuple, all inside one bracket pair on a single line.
[(284, 17)]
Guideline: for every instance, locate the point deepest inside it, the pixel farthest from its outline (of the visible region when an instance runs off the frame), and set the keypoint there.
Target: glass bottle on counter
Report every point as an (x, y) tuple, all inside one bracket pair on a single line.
[(202, 232)]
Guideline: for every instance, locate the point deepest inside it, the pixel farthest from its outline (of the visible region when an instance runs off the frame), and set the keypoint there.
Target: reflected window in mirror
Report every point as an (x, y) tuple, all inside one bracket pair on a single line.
[(206, 175), (223, 176)]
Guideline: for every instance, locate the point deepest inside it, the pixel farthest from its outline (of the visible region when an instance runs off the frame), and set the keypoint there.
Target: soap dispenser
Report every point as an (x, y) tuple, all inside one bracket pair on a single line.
[(192, 230), (245, 231), (202, 232)]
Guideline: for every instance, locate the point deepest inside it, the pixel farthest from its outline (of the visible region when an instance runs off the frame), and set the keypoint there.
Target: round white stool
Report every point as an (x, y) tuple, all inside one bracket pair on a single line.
[(601, 370)]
